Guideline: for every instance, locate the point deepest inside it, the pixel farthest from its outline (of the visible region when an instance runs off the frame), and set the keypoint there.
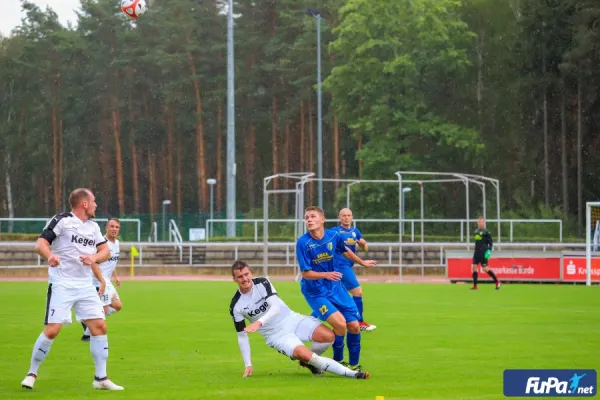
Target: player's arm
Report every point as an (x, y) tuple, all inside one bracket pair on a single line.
[(42, 245), (488, 243), (361, 242), (349, 254), (306, 268), (243, 341), (116, 278), (98, 274)]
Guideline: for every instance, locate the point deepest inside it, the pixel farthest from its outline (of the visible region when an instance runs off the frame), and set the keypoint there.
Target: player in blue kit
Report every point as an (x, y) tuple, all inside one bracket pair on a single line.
[(322, 287), (352, 238)]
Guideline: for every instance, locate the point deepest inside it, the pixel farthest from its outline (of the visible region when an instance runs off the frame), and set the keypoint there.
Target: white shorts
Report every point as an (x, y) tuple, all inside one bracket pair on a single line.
[(110, 294), (60, 300), (297, 328)]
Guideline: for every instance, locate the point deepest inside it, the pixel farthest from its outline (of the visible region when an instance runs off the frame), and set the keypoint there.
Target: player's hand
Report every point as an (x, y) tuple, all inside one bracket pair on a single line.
[(88, 260), (487, 254), (247, 372), (369, 263), (118, 282), (253, 327), (333, 276), (53, 260), (102, 288), (361, 242)]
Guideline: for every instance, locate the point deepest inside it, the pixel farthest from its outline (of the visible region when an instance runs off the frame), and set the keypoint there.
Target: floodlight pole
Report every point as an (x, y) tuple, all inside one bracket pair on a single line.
[(317, 14), (231, 166)]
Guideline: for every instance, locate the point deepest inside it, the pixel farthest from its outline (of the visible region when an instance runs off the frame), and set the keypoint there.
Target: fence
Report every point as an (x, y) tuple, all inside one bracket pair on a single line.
[(416, 227), (421, 256), (36, 225)]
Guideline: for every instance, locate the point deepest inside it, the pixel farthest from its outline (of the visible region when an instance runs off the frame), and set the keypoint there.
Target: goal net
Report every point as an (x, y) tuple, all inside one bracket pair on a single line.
[(592, 242)]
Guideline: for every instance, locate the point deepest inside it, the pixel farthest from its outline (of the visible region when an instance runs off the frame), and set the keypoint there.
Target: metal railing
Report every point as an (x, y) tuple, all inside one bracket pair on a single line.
[(256, 222), (175, 237), (137, 221), (282, 254)]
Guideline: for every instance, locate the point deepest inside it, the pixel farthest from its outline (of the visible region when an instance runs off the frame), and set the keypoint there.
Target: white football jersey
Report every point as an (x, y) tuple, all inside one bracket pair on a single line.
[(254, 304), (70, 239), (108, 266)]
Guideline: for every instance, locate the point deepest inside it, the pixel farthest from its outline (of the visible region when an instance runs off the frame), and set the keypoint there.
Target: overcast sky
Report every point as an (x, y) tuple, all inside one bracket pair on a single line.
[(11, 14)]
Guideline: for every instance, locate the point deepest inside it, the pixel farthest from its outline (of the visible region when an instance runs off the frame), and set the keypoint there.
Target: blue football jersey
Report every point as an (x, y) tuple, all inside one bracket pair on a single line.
[(318, 256), (349, 236)]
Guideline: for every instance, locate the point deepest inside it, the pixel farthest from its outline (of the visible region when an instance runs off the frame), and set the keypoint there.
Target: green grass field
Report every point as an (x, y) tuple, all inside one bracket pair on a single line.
[(175, 340)]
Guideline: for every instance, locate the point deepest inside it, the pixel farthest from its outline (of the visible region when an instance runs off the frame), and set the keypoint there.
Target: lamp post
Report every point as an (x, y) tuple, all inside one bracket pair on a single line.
[(404, 191), (211, 183), (317, 14), (165, 203), (231, 166)]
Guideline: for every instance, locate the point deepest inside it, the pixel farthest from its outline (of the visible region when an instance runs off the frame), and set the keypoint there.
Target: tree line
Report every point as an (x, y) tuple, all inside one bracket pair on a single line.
[(137, 109)]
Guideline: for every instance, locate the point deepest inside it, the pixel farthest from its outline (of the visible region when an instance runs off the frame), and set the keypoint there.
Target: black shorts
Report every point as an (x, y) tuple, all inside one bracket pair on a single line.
[(479, 258)]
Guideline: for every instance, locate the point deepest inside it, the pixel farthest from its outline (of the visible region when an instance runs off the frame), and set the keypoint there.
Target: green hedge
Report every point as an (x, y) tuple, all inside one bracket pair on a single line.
[(19, 237)]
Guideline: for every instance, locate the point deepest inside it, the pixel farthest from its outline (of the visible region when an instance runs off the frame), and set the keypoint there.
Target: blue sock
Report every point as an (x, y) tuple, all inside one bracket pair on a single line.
[(338, 348), (354, 347), (359, 305)]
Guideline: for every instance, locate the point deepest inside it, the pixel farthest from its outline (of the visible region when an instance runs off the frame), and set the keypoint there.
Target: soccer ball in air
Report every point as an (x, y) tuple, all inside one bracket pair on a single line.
[(133, 8)]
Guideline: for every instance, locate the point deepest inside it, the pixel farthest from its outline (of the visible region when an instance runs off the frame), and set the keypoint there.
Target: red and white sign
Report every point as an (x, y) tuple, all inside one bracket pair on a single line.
[(513, 269), (574, 269)]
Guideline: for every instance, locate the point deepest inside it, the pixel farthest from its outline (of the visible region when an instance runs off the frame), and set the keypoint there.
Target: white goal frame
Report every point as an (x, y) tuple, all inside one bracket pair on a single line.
[(592, 241)]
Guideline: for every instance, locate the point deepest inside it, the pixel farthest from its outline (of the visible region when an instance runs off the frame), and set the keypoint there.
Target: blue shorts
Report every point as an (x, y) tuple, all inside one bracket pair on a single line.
[(349, 279), (341, 301)]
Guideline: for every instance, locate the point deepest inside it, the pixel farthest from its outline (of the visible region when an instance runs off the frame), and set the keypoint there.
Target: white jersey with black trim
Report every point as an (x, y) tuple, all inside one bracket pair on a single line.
[(107, 267), (254, 304), (72, 238)]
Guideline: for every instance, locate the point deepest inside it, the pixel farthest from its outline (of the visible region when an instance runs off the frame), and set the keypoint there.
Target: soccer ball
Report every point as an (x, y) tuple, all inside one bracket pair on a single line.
[(134, 8)]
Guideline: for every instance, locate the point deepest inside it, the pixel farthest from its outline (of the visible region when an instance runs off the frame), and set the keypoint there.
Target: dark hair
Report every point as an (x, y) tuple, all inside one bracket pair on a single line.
[(78, 195), (315, 208), (238, 265), (113, 219)]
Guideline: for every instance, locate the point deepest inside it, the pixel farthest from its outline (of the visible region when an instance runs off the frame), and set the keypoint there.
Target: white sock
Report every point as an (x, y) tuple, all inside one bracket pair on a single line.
[(40, 352), (329, 365), (99, 349), (87, 331), (319, 348)]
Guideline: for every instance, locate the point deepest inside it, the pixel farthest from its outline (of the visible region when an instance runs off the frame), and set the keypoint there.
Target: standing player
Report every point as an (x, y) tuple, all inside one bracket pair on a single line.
[(72, 243), (284, 330), (110, 298), (321, 286), (483, 251), (351, 237)]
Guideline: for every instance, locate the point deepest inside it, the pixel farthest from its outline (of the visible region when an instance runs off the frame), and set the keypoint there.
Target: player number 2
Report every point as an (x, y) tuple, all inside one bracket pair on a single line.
[(323, 309)]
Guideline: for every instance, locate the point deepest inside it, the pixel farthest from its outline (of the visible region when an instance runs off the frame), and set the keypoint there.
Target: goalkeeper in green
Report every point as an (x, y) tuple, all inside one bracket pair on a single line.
[(483, 251)]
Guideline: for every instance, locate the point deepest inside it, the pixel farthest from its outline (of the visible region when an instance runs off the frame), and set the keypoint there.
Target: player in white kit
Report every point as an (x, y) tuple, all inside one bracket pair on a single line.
[(72, 243), (109, 298), (284, 330)]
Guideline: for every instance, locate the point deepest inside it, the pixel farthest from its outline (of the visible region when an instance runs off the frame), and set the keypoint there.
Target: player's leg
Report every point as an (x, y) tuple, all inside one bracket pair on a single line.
[(491, 273), (58, 311), (474, 273), (86, 332), (291, 346), (115, 302), (325, 364), (90, 309), (350, 282), (328, 312), (310, 329), (346, 305)]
